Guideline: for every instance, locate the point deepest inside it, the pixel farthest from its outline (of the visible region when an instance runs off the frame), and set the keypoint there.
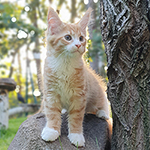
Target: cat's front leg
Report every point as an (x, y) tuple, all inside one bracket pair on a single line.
[(76, 115), (53, 116)]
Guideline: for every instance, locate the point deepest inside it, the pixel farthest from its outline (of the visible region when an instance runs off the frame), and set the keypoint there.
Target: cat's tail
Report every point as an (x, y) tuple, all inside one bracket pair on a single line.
[(110, 126)]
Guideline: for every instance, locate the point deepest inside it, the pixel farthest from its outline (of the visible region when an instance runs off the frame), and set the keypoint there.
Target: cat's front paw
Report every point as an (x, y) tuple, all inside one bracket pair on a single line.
[(49, 134), (102, 114), (77, 139)]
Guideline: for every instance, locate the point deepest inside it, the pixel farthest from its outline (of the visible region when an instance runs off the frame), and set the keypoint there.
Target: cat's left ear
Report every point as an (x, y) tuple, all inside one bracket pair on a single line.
[(85, 20)]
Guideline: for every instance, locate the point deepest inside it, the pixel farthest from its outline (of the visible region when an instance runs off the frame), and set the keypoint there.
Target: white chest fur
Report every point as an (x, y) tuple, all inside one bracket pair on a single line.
[(64, 70)]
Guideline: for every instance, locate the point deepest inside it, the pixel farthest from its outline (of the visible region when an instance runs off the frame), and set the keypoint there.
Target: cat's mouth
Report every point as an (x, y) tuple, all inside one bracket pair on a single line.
[(75, 51)]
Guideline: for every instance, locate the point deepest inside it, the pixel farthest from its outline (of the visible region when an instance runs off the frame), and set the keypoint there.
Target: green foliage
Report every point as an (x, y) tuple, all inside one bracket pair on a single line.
[(96, 46), (6, 136), (10, 28), (3, 68), (96, 50), (14, 19)]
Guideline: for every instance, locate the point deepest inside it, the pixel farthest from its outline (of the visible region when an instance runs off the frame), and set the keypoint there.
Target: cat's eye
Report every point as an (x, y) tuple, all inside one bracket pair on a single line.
[(81, 38), (68, 37)]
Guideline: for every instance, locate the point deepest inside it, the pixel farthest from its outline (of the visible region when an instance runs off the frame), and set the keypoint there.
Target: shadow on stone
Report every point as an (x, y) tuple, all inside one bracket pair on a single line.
[(96, 133)]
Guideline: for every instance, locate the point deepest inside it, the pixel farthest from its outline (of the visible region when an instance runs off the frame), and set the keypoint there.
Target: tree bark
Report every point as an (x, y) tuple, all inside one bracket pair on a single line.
[(126, 35)]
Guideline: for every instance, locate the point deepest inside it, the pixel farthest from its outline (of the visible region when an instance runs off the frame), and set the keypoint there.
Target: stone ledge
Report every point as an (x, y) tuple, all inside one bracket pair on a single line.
[(96, 133)]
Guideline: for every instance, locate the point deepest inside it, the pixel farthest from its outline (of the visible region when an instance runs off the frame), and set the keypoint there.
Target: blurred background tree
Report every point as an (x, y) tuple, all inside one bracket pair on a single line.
[(22, 33), (96, 50)]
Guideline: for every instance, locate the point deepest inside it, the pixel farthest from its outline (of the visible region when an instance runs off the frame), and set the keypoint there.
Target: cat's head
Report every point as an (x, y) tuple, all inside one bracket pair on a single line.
[(66, 38)]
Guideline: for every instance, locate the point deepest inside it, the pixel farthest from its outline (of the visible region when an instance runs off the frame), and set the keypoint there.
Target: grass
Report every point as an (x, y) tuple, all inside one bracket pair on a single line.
[(6, 136), (60, 144)]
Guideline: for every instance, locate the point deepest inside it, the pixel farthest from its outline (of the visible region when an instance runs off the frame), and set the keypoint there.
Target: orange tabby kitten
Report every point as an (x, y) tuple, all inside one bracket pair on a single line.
[(68, 82)]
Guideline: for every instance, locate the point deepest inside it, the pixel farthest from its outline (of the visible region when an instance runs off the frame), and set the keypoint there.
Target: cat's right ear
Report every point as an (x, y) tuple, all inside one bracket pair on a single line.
[(85, 20), (54, 22)]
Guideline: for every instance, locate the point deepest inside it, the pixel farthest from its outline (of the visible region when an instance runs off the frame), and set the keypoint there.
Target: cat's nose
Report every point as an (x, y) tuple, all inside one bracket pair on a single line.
[(78, 45)]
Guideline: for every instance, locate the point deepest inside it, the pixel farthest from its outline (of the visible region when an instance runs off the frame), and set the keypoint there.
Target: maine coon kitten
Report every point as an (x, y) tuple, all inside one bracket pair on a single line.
[(68, 82)]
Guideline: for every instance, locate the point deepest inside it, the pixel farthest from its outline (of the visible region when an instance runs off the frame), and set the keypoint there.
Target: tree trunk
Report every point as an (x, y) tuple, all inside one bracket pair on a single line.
[(13, 58), (19, 73), (39, 73), (73, 11), (91, 27), (37, 48), (126, 35), (92, 23)]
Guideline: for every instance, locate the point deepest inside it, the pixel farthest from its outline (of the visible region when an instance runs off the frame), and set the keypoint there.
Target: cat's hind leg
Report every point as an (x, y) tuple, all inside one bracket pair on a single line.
[(53, 115), (99, 106), (103, 111), (102, 114)]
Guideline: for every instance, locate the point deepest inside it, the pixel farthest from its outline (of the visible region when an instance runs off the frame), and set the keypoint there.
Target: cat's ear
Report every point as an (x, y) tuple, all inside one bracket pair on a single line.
[(85, 20), (54, 22)]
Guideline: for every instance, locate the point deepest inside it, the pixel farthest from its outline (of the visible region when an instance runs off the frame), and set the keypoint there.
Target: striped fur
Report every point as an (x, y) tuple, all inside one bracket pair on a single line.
[(68, 82)]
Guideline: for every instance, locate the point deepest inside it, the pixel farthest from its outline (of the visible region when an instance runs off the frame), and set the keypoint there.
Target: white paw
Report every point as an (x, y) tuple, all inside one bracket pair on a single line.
[(49, 134), (77, 139), (102, 114)]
